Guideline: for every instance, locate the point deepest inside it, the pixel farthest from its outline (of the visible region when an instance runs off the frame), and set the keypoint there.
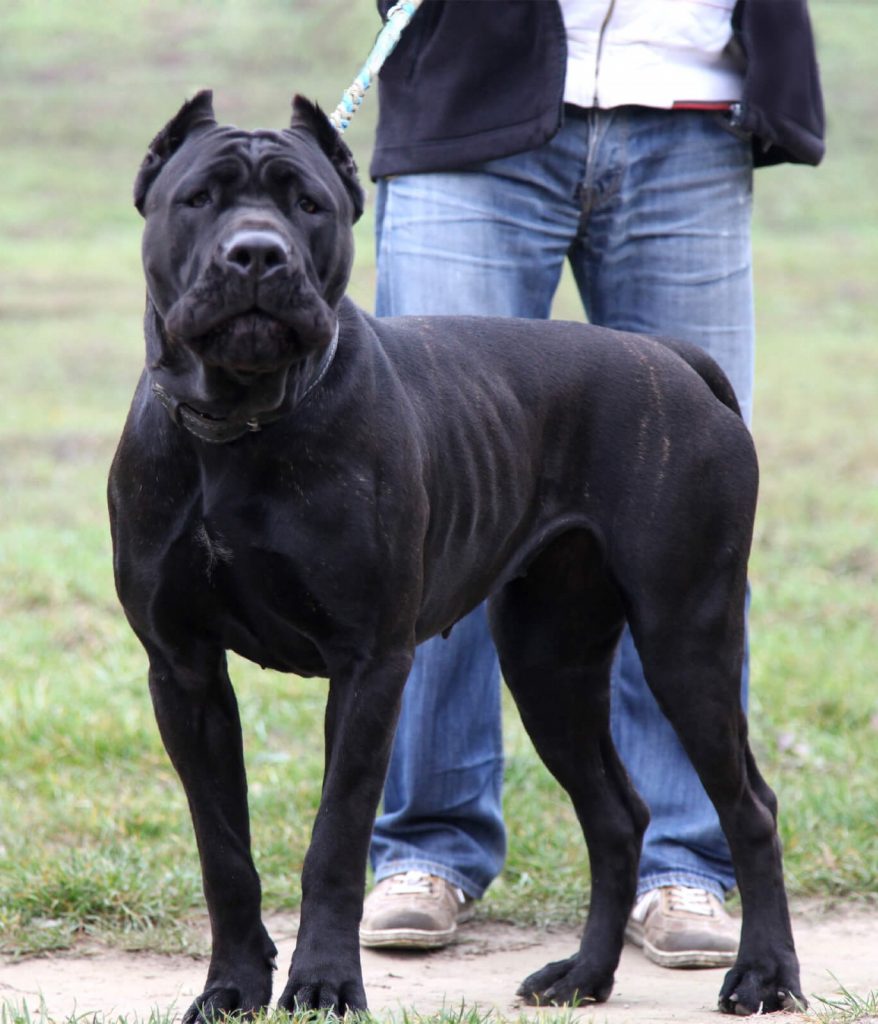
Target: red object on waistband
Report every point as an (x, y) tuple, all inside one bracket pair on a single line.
[(703, 105)]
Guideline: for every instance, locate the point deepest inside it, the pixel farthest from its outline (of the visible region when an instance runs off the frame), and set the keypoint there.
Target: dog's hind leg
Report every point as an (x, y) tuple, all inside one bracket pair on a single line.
[(198, 719), (556, 631), (691, 645)]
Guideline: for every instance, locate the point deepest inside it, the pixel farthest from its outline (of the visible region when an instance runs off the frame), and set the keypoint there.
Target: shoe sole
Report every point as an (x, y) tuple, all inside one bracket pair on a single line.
[(406, 938), (688, 957)]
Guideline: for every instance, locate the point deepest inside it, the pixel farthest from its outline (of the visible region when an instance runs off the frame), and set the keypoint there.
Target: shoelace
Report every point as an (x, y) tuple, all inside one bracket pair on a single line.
[(417, 883), (690, 901), (411, 883)]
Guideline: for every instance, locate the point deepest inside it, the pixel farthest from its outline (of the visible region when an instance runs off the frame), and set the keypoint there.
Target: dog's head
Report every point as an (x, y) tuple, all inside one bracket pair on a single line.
[(247, 250)]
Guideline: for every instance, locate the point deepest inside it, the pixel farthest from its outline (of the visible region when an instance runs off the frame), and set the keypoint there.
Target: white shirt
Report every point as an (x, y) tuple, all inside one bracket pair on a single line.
[(653, 53)]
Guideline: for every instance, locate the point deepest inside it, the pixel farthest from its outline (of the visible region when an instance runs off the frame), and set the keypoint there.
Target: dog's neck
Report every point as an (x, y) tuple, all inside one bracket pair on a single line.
[(223, 429)]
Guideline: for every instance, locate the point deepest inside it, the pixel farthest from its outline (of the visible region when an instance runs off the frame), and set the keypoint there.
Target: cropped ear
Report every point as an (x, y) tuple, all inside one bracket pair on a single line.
[(194, 116), (309, 116)]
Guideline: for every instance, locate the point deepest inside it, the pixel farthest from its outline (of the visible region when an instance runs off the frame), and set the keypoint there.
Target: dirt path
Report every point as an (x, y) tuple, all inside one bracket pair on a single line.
[(482, 969)]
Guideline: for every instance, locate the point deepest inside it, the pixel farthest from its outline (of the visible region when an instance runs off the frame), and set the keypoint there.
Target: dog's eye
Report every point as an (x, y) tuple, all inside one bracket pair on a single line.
[(307, 204), (201, 198)]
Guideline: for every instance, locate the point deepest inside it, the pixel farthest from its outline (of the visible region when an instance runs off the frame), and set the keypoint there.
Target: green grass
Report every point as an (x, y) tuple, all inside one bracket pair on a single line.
[(848, 1008), (16, 1013), (94, 832), (815, 565), (20, 1013)]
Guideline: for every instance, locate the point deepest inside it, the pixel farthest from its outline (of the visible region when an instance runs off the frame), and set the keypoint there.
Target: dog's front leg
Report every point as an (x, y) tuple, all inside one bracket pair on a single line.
[(198, 719), (361, 719)]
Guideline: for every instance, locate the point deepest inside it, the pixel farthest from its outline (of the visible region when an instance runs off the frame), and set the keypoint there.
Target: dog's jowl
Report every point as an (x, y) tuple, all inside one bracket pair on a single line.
[(319, 490)]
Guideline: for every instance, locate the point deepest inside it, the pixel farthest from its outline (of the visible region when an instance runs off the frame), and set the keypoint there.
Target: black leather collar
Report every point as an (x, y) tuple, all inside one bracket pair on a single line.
[(216, 430)]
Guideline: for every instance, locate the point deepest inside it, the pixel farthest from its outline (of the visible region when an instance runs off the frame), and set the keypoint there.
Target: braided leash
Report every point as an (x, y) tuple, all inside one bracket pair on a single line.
[(398, 18)]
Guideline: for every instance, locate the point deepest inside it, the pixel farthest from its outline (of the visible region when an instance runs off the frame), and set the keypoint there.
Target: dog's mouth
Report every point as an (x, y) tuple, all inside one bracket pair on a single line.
[(249, 344)]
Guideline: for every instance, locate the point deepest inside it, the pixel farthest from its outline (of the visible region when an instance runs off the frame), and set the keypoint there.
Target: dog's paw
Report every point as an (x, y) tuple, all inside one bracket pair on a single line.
[(340, 997), (749, 990), (568, 982), (218, 1001)]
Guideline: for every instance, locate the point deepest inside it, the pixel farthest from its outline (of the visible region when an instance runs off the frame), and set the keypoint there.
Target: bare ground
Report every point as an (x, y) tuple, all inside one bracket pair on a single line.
[(836, 947)]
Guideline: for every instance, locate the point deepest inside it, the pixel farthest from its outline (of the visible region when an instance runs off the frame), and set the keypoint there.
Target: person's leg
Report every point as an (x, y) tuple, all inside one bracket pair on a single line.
[(665, 249), (480, 242), (442, 812)]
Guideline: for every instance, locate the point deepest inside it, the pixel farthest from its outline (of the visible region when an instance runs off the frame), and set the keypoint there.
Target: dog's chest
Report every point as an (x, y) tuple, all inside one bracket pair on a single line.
[(260, 606), (214, 549)]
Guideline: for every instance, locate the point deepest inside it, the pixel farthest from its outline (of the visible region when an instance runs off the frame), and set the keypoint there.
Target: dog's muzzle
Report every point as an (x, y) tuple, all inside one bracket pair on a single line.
[(221, 430)]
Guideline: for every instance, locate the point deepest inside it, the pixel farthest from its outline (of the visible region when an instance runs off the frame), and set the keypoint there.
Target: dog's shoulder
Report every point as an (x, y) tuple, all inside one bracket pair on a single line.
[(152, 467)]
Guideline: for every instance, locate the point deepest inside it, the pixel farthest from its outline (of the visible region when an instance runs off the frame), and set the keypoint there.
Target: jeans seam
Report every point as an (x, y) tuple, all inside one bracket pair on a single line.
[(685, 877)]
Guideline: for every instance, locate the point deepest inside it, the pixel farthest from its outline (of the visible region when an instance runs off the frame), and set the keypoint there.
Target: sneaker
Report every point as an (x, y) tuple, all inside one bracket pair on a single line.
[(677, 926), (413, 911)]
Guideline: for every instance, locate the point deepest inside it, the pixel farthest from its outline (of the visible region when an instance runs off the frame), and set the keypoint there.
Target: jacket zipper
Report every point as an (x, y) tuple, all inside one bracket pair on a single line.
[(597, 60)]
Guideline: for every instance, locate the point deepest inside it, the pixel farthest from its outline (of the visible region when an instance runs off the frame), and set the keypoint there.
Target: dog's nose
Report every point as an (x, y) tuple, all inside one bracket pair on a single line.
[(256, 252)]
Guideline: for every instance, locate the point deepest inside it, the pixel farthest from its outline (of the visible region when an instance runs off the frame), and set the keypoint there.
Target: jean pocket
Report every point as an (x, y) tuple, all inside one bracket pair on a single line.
[(730, 121)]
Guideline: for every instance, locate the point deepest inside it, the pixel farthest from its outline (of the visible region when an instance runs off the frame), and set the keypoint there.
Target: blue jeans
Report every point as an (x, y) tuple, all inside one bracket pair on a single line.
[(652, 208)]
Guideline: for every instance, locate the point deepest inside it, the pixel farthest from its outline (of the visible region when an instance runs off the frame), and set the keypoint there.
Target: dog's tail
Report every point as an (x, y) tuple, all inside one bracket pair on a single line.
[(707, 369)]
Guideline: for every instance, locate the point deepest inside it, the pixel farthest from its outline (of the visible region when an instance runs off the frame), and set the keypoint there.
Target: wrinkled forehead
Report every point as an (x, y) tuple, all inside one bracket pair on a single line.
[(249, 149)]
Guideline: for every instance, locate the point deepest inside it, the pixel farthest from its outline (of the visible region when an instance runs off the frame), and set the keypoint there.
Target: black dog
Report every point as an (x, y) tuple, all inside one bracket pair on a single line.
[(319, 491)]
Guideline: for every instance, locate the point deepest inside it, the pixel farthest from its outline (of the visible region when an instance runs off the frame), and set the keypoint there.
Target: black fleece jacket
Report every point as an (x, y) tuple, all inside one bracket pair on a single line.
[(472, 80)]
